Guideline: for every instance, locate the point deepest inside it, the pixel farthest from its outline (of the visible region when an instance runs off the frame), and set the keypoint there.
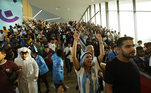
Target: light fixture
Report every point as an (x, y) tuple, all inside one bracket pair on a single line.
[(37, 14), (57, 8), (53, 19), (68, 9)]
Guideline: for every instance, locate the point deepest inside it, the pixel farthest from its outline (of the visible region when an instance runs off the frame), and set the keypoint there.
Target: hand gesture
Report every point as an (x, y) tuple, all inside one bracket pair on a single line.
[(60, 89), (99, 37), (76, 35)]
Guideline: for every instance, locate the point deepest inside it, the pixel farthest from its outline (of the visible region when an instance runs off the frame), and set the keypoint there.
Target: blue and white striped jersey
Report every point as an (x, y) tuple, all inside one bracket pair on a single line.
[(88, 83)]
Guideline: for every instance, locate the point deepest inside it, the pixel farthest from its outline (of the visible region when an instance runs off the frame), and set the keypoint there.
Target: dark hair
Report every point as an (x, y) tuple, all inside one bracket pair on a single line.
[(59, 52), (1, 31), (114, 46), (139, 41), (148, 44), (122, 39), (139, 48), (69, 43), (46, 46), (2, 50)]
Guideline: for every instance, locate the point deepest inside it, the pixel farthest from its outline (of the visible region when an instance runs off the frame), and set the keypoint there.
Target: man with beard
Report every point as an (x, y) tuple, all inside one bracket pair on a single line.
[(122, 75)]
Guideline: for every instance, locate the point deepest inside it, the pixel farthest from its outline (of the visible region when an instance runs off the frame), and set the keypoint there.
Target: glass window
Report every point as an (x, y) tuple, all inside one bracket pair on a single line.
[(127, 24), (143, 5), (143, 26), (84, 18), (103, 15), (92, 10), (88, 14), (113, 21), (93, 20), (126, 18), (97, 7), (112, 6), (143, 19), (126, 5), (98, 19)]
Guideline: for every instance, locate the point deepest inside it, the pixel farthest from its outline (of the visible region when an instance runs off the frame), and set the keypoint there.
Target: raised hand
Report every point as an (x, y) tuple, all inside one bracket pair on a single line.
[(99, 37), (76, 35)]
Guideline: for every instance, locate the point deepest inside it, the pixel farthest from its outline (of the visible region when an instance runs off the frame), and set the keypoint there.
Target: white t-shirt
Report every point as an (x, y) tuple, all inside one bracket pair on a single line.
[(66, 50), (52, 46)]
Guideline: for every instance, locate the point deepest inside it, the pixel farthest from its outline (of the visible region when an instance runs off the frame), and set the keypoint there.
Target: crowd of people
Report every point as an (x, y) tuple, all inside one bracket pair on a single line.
[(35, 48)]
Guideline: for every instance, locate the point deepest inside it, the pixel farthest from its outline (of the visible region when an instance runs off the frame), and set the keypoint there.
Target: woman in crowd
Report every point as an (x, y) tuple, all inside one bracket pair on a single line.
[(86, 70)]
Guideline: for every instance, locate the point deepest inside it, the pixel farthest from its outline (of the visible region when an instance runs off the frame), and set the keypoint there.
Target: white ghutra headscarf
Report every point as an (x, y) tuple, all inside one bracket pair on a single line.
[(24, 49)]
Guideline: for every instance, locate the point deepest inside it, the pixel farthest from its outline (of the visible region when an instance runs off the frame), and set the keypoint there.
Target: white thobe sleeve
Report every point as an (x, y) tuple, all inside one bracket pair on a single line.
[(18, 62), (36, 69), (150, 61)]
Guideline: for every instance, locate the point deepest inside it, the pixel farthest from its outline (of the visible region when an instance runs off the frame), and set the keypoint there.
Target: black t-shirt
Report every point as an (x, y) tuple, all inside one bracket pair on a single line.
[(124, 77)]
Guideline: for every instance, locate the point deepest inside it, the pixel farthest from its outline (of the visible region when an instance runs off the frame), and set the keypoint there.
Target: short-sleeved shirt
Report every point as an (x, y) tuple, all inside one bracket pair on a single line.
[(124, 77), (6, 32), (66, 50), (52, 46), (58, 73), (5, 86), (43, 69), (40, 49)]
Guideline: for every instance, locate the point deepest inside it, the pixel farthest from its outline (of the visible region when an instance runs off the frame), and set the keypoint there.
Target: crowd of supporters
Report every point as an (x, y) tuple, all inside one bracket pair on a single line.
[(52, 42)]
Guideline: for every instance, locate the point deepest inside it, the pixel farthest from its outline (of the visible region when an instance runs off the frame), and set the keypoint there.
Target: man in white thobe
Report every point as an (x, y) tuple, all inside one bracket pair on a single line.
[(30, 70)]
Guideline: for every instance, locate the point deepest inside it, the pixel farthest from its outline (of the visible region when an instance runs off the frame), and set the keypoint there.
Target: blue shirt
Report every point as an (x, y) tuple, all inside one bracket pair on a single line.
[(58, 73), (112, 55), (42, 65), (22, 43)]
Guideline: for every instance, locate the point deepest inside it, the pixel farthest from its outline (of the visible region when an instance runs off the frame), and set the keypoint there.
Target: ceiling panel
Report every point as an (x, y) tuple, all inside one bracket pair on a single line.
[(67, 9)]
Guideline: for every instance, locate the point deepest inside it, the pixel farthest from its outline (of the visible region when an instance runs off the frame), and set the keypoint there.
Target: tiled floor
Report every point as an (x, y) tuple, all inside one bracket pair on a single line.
[(70, 81)]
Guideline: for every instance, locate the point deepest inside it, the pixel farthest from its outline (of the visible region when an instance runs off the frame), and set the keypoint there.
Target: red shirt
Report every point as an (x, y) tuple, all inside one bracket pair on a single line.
[(5, 86)]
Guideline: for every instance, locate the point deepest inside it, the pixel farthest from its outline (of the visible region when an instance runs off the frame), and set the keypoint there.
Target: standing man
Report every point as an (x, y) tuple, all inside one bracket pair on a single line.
[(122, 75), (5, 31), (30, 70), (7, 67), (58, 72), (43, 69), (148, 52), (68, 57)]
